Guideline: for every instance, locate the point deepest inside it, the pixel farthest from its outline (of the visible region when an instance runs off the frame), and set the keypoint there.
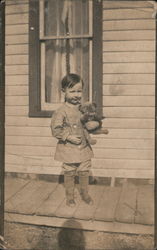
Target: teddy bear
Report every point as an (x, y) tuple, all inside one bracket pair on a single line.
[(91, 120), (89, 116)]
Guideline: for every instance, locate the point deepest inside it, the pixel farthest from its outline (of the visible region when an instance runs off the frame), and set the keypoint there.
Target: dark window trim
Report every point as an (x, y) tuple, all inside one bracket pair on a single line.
[(34, 59)]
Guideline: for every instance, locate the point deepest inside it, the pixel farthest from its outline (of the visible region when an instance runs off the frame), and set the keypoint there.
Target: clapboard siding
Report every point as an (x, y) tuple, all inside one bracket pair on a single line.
[(16, 90), (123, 68), (20, 49), (16, 69), (129, 25), (114, 133), (126, 35), (126, 14), (16, 59), (128, 57), (130, 46), (16, 80), (142, 154), (128, 101), (17, 19), (129, 69), (102, 143), (128, 95), (133, 79), (126, 4), (121, 123), (128, 90), (49, 162), (17, 9)]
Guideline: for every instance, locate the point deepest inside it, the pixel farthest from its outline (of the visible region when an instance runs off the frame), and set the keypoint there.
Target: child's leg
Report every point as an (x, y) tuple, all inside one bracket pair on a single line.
[(69, 183), (83, 173)]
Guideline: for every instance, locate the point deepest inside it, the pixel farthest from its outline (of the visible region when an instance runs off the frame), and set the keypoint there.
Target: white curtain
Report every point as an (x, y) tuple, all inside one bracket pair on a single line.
[(64, 17)]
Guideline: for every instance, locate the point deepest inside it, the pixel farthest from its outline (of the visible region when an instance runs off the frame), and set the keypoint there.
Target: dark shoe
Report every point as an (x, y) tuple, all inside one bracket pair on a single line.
[(87, 199), (71, 203)]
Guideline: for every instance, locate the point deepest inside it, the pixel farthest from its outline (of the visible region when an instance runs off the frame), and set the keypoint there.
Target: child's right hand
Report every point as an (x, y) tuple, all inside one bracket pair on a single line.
[(74, 139)]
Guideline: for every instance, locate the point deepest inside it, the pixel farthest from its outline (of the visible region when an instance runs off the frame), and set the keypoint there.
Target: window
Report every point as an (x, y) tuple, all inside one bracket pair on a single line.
[(65, 37)]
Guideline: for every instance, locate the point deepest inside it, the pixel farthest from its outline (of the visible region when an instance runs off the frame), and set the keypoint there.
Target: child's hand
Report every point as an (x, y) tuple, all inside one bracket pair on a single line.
[(74, 139)]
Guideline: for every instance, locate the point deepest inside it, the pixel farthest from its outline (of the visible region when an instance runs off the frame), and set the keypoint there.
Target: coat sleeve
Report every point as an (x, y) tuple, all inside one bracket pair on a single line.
[(58, 128)]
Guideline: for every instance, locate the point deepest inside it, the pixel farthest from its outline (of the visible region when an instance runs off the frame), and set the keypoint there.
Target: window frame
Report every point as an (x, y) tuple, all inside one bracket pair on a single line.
[(35, 105)]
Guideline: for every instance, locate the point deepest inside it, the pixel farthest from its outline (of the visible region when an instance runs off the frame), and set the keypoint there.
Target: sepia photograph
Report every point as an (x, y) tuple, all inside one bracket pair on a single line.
[(77, 124)]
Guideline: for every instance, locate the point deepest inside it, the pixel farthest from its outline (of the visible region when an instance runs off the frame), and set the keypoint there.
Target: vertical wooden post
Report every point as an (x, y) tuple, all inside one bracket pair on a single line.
[(2, 112)]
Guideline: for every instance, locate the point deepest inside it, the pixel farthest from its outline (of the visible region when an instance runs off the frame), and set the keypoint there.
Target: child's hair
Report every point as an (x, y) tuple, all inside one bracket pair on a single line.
[(70, 80)]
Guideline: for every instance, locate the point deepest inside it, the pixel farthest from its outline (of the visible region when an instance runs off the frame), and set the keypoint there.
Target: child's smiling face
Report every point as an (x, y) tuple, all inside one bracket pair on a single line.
[(73, 95)]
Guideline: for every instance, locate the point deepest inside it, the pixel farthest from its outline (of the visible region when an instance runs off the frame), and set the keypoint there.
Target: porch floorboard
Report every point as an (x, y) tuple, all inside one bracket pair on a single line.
[(130, 204)]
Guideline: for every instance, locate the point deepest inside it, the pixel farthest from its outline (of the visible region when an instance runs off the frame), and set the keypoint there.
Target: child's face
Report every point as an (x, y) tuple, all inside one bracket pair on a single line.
[(73, 95)]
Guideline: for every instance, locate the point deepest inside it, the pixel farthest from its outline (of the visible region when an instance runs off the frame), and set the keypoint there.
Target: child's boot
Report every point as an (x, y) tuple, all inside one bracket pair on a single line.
[(69, 187), (83, 181)]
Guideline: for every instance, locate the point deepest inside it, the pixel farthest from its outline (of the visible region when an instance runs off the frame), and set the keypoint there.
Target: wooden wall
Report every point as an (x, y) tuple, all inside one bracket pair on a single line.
[(128, 95)]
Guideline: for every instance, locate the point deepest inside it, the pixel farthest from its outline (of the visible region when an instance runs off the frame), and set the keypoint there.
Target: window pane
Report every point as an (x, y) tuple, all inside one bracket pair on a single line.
[(66, 16), (60, 55)]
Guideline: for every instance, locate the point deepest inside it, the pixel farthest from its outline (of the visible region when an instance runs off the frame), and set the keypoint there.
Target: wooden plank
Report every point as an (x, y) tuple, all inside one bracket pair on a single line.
[(55, 168), (101, 143), (17, 111), (127, 101), (23, 195), (129, 112), (98, 226), (36, 198), (125, 211), (16, 69), (30, 197), (18, 49), (145, 24), (120, 14), (17, 101), (129, 46), (116, 153), (126, 90), (13, 185), (17, 80), (17, 29), (16, 90), (16, 39), (119, 123), (14, 9), (138, 68), (85, 211), (129, 35), (126, 4), (16, 59), (122, 57), (16, 2), (145, 205), (133, 79), (128, 123), (113, 133), (108, 203), (27, 121), (17, 19), (142, 154), (23, 161), (50, 206)]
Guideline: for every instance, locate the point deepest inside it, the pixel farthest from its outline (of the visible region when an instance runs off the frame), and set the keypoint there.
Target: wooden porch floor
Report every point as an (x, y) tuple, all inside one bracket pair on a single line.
[(130, 203)]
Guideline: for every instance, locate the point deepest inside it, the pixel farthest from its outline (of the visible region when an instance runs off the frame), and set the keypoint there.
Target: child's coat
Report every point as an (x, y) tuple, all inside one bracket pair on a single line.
[(66, 121)]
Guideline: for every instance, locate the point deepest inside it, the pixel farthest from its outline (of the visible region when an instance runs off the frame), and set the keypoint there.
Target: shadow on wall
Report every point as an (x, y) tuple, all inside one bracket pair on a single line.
[(71, 238)]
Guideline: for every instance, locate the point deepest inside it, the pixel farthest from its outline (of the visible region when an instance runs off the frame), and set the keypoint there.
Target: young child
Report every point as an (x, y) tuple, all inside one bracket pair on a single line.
[(73, 147)]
